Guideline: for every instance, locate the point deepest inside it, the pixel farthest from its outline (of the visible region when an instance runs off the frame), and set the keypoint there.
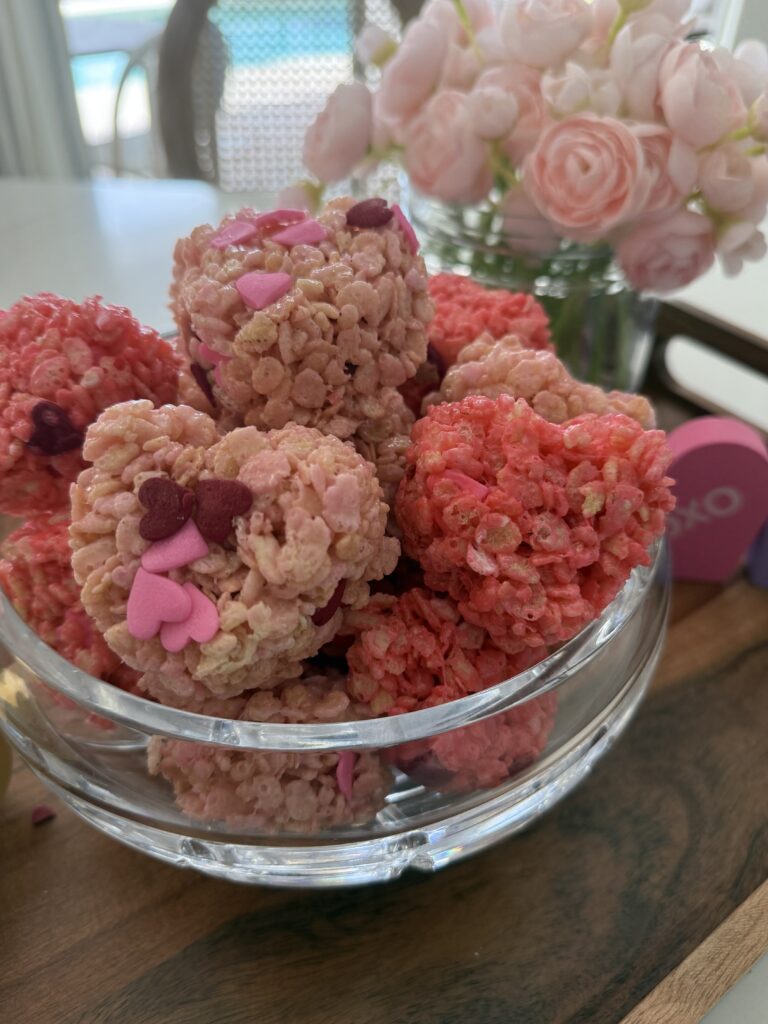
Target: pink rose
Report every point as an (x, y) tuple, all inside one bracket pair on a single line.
[(671, 167), (586, 175), (341, 133), (411, 76), (701, 103), (575, 88), (636, 57), (739, 243), (543, 32), (726, 178), (443, 156), (667, 252), (524, 84), (493, 111), (526, 229)]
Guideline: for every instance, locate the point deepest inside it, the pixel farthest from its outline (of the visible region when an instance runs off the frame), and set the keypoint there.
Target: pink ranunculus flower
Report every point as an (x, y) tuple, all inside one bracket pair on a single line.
[(671, 167), (525, 85), (443, 156), (673, 10), (544, 32), (664, 253), (754, 53), (493, 111), (341, 133), (758, 118), (525, 227), (490, 46), (587, 176), (374, 45), (749, 75), (411, 76), (701, 103), (727, 178), (636, 57), (573, 88), (460, 69), (739, 243), (444, 13)]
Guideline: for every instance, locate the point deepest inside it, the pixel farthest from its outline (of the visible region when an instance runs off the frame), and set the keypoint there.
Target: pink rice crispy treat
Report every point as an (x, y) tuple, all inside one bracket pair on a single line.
[(61, 363), (308, 545), (272, 791), (350, 325), (416, 651), (531, 527), (384, 442), (36, 574), (465, 309), (507, 367)]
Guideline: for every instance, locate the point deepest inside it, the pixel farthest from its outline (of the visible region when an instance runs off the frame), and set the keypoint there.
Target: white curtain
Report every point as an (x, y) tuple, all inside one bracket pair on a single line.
[(40, 133)]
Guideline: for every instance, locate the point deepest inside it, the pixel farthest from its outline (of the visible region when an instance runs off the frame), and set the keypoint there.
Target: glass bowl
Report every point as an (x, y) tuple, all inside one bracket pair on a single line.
[(451, 792)]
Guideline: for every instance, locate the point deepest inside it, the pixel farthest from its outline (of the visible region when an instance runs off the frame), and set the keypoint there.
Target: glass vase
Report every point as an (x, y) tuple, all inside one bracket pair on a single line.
[(602, 329)]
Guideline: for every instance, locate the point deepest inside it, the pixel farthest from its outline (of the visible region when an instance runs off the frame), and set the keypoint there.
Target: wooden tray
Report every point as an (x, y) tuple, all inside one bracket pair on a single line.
[(640, 899)]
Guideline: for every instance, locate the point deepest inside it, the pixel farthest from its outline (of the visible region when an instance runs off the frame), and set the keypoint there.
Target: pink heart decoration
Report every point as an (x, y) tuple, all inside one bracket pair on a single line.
[(200, 625), (183, 547), (279, 218), (721, 469), (152, 601), (758, 559), (405, 227), (308, 232), (344, 773), (210, 354), (233, 234), (258, 289)]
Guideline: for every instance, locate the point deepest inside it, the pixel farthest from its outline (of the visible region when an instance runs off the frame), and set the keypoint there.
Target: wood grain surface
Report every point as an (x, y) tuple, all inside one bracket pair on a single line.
[(576, 921)]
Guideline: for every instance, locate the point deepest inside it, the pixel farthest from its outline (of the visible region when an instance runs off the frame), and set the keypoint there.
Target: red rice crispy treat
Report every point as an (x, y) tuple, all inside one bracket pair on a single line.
[(273, 791), (465, 309), (532, 528), (61, 364), (507, 367), (350, 327), (36, 574)]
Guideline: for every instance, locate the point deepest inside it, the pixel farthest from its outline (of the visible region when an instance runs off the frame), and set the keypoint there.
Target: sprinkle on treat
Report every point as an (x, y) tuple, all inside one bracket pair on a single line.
[(210, 355), (42, 813), (308, 232), (344, 773), (260, 289), (201, 625), (176, 551), (464, 310), (54, 432), (370, 213), (323, 615), (218, 502), (201, 378), (154, 600), (278, 218), (568, 512), (168, 506), (236, 233)]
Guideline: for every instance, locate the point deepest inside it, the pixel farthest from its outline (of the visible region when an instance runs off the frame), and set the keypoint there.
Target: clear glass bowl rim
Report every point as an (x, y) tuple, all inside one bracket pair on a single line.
[(157, 719)]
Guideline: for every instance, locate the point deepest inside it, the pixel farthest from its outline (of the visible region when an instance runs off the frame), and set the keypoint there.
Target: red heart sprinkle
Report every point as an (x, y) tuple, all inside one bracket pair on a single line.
[(201, 377), (54, 432), (169, 506), (326, 613), (218, 501), (370, 213)]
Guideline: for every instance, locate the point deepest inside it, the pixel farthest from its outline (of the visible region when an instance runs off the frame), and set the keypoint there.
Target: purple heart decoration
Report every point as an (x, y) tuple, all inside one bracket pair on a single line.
[(758, 559), (53, 431), (721, 471)]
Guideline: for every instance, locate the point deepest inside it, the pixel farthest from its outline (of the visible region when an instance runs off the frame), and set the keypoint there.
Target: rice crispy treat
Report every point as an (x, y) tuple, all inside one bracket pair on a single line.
[(531, 527), (273, 791), (416, 651), (302, 320), (36, 574), (507, 367), (384, 442), (465, 309), (225, 560), (61, 364)]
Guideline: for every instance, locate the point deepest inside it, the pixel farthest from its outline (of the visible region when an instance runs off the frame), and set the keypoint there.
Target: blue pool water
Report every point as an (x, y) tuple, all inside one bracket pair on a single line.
[(271, 32)]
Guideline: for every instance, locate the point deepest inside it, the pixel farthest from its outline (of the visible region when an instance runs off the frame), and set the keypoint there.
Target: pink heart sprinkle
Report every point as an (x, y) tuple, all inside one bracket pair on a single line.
[(201, 625), (42, 813), (217, 374), (210, 354), (344, 770), (259, 289), (308, 232), (234, 233), (154, 600), (279, 218), (181, 548), (405, 226), (466, 483)]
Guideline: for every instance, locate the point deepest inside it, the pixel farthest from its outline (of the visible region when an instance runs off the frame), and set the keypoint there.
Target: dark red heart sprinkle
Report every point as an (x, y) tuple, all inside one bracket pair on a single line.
[(54, 432), (370, 213), (326, 613), (218, 501), (168, 504), (42, 813), (434, 357), (201, 377)]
